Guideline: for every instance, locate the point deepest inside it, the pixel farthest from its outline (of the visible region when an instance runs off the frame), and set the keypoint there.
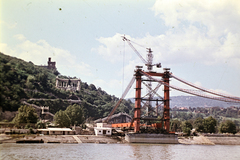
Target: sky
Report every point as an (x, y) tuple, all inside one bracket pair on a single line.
[(198, 40)]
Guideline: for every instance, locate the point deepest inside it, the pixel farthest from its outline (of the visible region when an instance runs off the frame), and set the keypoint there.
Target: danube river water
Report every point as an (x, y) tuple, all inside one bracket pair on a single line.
[(85, 151)]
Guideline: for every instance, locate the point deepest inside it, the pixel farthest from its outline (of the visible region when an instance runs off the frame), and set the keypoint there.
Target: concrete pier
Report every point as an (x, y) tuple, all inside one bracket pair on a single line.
[(151, 138)]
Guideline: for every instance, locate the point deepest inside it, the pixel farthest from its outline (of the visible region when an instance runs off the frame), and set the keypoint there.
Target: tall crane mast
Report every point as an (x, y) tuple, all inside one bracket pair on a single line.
[(149, 64), (149, 60)]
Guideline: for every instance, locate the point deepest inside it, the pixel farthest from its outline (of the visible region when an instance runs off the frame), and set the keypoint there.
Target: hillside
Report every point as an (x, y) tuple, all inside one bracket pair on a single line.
[(22, 81), (194, 101)]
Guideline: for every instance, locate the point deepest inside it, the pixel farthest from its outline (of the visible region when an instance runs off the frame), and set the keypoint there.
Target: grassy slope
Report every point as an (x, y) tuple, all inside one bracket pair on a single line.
[(20, 80)]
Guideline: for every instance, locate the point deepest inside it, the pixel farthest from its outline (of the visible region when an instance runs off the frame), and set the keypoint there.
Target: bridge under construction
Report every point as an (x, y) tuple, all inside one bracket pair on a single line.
[(161, 124)]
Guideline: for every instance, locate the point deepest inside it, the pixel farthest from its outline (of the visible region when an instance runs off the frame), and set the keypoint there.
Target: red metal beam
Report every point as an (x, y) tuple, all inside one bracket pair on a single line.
[(155, 74), (166, 114), (137, 109)]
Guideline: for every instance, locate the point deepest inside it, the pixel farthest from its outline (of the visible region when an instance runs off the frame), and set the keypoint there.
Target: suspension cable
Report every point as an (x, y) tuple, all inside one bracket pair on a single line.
[(203, 89), (191, 92)]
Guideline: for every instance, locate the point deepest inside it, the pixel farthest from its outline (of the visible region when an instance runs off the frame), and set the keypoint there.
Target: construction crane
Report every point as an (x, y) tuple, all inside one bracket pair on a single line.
[(149, 64), (149, 60), (120, 100), (150, 76)]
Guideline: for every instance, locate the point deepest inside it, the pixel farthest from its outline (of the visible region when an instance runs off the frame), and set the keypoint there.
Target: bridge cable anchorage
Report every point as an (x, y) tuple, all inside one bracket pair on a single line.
[(191, 92), (203, 89), (123, 96)]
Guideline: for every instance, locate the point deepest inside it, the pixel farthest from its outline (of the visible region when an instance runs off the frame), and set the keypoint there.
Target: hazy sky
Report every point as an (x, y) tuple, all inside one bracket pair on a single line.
[(198, 40)]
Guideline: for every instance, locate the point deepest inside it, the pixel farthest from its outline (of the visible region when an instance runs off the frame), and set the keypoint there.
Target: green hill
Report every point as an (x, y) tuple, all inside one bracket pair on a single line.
[(23, 81)]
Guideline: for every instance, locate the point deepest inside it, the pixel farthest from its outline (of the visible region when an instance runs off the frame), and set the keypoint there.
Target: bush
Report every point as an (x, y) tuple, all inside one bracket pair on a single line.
[(198, 125), (27, 126), (26, 114), (187, 127), (31, 130), (40, 125), (210, 124), (228, 127)]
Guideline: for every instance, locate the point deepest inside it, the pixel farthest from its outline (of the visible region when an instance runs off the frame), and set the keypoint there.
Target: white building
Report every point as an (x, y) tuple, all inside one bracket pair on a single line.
[(56, 131), (103, 129)]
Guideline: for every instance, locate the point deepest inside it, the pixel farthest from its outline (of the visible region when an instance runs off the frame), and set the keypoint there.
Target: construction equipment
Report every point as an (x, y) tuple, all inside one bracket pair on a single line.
[(149, 64), (165, 79)]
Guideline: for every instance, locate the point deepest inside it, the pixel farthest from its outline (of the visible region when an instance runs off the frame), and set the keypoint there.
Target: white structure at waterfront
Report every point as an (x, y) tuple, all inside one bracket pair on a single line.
[(56, 131), (103, 129)]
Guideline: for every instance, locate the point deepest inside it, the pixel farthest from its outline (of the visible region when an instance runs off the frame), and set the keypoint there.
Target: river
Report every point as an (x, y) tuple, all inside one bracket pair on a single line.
[(118, 151)]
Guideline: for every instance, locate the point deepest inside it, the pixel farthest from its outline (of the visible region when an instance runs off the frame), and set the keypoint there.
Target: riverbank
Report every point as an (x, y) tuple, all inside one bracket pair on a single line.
[(211, 140), (61, 138), (195, 140)]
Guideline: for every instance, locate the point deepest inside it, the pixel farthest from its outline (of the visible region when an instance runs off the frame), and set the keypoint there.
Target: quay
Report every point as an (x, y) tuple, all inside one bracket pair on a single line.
[(173, 139), (152, 138)]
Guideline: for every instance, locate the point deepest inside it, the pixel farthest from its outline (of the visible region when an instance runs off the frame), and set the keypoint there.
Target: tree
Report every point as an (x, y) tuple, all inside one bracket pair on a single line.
[(40, 124), (61, 119), (198, 115), (198, 125), (26, 114), (42, 78), (175, 125), (84, 85), (228, 127), (210, 124), (187, 127), (92, 87), (30, 81), (73, 115), (190, 115)]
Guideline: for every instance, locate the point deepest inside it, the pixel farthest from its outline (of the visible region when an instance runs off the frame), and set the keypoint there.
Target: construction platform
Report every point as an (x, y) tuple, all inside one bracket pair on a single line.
[(151, 138)]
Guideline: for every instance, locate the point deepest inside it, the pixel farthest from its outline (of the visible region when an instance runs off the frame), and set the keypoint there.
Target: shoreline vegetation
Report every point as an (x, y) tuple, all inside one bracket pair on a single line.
[(26, 87), (211, 139)]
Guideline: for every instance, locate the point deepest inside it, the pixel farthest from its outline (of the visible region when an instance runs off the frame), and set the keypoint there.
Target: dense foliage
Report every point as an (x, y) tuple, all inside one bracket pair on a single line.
[(26, 114), (216, 112), (73, 115), (175, 125), (187, 127), (198, 116), (24, 81), (210, 124), (228, 127), (207, 125), (198, 125)]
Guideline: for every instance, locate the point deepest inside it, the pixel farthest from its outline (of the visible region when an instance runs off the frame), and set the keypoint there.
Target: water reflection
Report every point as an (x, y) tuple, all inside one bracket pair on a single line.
[(152, 151), (117, 151)]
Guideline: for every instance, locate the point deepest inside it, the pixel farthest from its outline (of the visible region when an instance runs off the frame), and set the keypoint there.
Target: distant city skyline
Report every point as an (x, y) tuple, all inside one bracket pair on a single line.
[(198, 40)]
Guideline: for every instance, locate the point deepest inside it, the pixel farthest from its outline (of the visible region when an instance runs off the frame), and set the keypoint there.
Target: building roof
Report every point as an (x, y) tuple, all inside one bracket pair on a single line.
[(42, 130), (59, 129), (102, 128), (55, 129), (113, 116)]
